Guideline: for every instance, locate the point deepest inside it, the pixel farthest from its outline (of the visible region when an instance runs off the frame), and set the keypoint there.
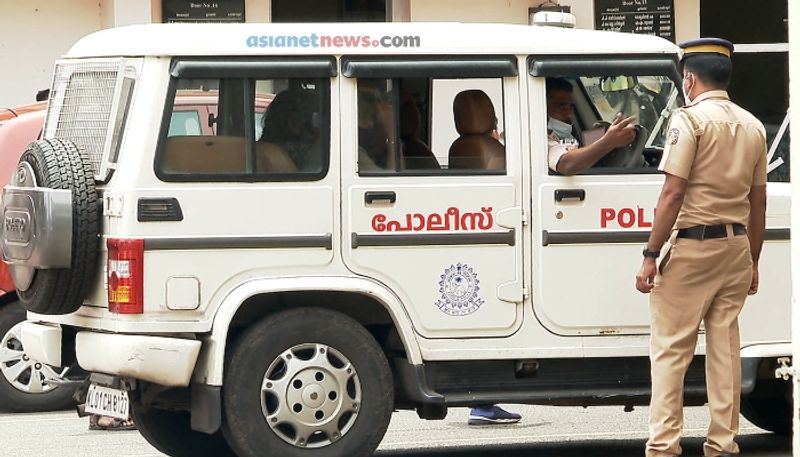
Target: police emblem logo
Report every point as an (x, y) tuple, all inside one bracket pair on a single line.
[(672, 136), (459, 287)]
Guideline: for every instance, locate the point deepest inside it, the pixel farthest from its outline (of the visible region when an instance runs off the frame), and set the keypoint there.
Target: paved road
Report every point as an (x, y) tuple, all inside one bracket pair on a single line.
[(543, 432)]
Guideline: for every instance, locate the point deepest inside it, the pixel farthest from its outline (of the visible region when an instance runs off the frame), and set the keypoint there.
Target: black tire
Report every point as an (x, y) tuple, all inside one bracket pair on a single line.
[(13, 397), (769, 406), (170, 432), (327, 332), (60, 164)]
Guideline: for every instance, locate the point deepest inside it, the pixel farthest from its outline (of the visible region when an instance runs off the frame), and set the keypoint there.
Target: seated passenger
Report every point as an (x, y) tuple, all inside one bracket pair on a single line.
[(288, 125), (377, 136), (565, 154), (416, 154), (477, 146)]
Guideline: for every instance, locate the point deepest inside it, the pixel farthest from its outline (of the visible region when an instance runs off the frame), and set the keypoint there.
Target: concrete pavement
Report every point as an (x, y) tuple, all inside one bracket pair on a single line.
[(543, 432)]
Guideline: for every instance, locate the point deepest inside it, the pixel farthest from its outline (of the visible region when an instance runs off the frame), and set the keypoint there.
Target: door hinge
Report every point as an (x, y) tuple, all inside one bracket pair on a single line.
[(524, 218), (785, 370), (112, 204)]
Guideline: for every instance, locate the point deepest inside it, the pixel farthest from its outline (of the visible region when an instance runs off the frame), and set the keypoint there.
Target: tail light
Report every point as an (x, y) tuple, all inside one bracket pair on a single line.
[(125, 275)]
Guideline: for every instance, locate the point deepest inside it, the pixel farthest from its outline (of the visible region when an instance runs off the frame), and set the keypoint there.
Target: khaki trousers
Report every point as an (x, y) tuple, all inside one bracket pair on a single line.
[(698, 281)]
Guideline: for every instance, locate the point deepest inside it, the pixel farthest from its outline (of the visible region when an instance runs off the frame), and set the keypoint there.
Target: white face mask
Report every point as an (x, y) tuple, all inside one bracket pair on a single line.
[(685, 92), (562, 130)]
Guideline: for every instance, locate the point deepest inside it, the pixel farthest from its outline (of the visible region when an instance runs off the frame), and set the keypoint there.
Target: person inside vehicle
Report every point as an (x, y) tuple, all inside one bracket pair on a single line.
[(416, 154), (377, 131), (288, 125), (565, 154)]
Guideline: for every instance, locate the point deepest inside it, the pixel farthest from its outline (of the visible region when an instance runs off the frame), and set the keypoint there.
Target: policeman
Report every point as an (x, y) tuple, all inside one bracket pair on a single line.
[(714, 195)]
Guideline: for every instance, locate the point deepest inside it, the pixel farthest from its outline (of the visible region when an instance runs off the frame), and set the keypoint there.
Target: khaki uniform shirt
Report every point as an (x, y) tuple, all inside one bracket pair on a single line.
[(557, 147), (721, 150)]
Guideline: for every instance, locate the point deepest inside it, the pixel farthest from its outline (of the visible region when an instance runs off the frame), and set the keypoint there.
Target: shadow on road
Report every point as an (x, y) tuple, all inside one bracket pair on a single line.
[(763, 445)]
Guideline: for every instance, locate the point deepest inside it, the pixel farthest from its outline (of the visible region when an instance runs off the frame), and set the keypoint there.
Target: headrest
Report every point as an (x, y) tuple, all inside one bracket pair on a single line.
[(473, 113), (286, 108)]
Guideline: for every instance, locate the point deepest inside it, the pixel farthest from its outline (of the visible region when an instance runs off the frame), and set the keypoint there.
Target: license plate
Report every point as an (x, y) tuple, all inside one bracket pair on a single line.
[(107, 402)]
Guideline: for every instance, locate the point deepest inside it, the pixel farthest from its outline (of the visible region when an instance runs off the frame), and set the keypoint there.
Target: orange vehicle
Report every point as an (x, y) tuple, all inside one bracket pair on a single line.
[(10, 113)]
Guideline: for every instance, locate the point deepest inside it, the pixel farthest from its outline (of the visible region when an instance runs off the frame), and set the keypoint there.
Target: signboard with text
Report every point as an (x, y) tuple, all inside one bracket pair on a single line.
[(646, 17), (199, 11)]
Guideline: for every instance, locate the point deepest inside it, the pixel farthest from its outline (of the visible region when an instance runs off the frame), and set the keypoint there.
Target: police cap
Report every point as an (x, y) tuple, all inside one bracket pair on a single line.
[(707, 45)]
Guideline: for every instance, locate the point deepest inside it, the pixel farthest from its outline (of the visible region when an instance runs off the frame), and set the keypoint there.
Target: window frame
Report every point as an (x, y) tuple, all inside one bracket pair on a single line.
[(571, 66), (433, 67), (247, 71)]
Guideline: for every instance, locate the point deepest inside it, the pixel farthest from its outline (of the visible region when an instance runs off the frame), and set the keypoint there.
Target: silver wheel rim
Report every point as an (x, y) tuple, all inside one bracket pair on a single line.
[(311, 395), (23, 373)]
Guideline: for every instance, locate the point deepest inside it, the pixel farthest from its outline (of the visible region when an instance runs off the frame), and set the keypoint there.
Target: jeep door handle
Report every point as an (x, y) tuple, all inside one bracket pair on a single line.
[(380, 195), (570, 194)]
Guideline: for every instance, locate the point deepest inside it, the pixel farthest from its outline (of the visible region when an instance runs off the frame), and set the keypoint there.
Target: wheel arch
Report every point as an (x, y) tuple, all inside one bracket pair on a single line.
[(366, 301), (759, 362)]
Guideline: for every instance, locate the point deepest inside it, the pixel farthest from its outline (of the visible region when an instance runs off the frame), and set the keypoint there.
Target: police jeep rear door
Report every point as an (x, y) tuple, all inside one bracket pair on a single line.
[(589, 229), (445, 237)]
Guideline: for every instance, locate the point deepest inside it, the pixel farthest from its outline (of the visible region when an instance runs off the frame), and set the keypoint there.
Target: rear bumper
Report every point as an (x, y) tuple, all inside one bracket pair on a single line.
[(161, 360)]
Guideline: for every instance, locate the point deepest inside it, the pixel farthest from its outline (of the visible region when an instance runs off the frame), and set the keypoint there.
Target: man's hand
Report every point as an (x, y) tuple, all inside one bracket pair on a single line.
[(620, 132), (644, 280), (754, 282)]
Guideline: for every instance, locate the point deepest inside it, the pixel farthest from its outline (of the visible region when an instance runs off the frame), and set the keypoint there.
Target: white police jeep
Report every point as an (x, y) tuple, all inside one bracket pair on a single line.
[(337, 221)]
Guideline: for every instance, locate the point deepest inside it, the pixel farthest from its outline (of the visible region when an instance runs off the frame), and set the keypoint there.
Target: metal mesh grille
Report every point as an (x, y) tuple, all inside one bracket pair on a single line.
[(80, 105)]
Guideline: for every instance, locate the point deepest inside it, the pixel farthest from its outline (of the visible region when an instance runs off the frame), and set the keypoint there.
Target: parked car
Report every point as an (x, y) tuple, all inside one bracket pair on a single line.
[(10, 113), (26, 385)]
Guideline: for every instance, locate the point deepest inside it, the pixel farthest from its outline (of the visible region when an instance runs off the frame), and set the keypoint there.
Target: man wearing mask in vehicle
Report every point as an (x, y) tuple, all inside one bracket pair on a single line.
[(565, 155), (714, 194)]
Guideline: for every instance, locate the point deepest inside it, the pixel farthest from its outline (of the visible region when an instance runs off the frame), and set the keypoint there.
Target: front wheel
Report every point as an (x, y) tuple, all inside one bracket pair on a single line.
[(307, 382), (769, 406)]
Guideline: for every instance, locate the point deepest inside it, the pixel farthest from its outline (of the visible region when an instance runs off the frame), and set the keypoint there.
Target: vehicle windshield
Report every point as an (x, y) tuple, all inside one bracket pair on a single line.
[(649, 99)]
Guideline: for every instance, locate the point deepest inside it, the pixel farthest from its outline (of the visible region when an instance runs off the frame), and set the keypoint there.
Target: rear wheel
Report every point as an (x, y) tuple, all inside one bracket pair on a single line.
[(25, 384), (307, 383), (170, 432)]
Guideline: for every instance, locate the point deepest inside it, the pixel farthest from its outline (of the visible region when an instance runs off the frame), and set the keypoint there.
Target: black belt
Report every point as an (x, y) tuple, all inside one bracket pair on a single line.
[(704, 232)]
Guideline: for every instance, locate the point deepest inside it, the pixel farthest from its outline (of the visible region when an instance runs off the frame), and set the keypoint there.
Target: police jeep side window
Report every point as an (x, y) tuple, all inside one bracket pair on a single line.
[(607, 124), (430, 126), (243, 129)]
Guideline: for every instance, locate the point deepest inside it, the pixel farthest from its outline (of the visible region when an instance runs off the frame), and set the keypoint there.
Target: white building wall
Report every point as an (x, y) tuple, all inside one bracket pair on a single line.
[(35, 34), (128, 12), (687, 20)]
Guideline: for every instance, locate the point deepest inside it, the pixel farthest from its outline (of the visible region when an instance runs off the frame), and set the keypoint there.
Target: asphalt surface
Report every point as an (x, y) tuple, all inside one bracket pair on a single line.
[(543, 432)]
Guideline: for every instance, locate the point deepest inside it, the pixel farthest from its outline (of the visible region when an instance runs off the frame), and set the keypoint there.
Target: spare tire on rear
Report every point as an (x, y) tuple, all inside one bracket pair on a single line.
[(60, 164)]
